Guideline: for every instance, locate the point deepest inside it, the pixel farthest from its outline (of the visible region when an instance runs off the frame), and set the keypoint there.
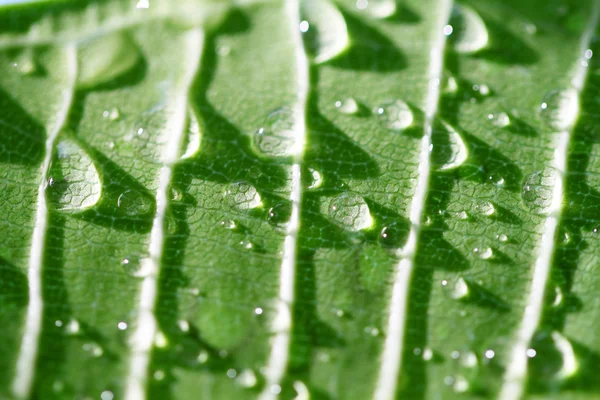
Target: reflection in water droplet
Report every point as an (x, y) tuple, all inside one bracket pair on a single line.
[(348, 210), (462, 215), (537, 190), (75, 184), (560, 108), (393, 235), (469, 33), (328, 35), (243, 196), (104, 58), (485, 208), (192, 137), (277, 137), (394, 115), (347, 106)]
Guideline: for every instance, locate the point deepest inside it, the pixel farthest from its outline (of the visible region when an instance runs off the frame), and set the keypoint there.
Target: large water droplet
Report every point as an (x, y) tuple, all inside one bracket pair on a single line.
[(348, 210), (277, 138), (485, 253), (394, 115), (449, 151), (105, 58), (279, 213), (326, 35), (132, 203), (347, 106), (192, 136), (560, 108), (377, 8), (538, 188), (75, 184), (243, 196), (469, 33)]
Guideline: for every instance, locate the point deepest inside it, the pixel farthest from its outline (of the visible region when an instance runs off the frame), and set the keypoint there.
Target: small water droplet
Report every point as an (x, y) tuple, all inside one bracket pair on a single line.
[(330, 34), (26, 63), (228, 224), (448, 380), (159, 375), (247, 379), (160, 340), (202, 357), (94, 349), (451, 85), (530, 28), (107, 395), (347, 106), (558, 297), (192, 136), (58, 386), (393, 234), (122, 325), (371, 330), (246, 244), (258, 311), (105, 58), (485, 208), (136, 267), (277, 138), (72, 328), (112, 114), (469, 360), (531, 353), (394, 115), (500, 120), (231, 373), (537, 190), (457, 290), (74, 185), (469, 33), (58, 323), (348, 210), (485, 253), (484, 90), (242, 195), (279, 213), (460, 385), (316, 179), (462, 215), (502, 237), (566, 238), (134, 203), (489, 354), (560, 108), (223, 50), (448, 29)]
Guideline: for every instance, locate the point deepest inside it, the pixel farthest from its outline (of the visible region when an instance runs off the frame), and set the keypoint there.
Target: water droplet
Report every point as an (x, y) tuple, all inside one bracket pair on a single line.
[(485, 253), (452, 153), (448, 380), (122, 325), (500, 120), (111, 115), (570, 365), (75, 184), (246, 244), (94, 349), (537, 190), (192, 136), (243, 196), (448, 29), (223, 50), (371, 330), (531, 353), (485, 208), (393, 235), (560, 108), (58, 386), (566, 238), (26, 63), (328, 34), (427, 354), (105, 58), (394, 115), (457, 290), (247, 379), (502, 237), (558, 297), (460, 385), (484, 90), (72, 328), (469, 33), (316, 179), (228, 224), (469, 360), (107, 395), (258, 311), (275, 388), (588, 54), (133, 203), (301, 390), (347, 106), (136, 267), (304, 26), (58, 323), (377, 8), (462, 215), (348, 210), (277, 137), (338, 312), (160, 340), (231, 373), (279, 213), (202, 357), (451, 85)]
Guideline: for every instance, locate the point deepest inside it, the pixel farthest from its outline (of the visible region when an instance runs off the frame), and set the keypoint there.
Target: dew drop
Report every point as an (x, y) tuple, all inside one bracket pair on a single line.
[(279, 213), (570, 365), (485, 208), (202, 357), (184, 326), (75, 184), (192, 136), (347, 106), (94, 349), (105, 58), (58, 386), (277, 138), (538, 188), (328, 34), (502, 238), (451, 85), (484, 90), (275, 388), (469, 33), (133, 203), (231, 373), (458, 290), (247, 379), (143, 4), (246, 244), (377, 8), (558, 297), (72, 328), (460, 385), (500, 120), (489, 354), (348, 210), (228, 224), (371, 330), (301, 390), (560, 108), (122, 325), (258, 311), (112, 115), (136, 267), (462, 215), (242, 195), (452, 153), (160, 340), (427, 354), (394, 115), (107, 395), (393, 235), (531, 353), (469, 360), (484, 253), (316, 179), (26, 63)]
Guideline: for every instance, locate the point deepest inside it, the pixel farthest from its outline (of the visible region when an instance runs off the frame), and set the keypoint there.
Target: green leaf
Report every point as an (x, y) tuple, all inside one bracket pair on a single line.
[(305, 199)]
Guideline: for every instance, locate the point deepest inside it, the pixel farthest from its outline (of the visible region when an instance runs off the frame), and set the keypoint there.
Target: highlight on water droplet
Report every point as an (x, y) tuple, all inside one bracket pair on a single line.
[(502, 238), (537, 190), (74, 185), (394, 115), (462, 215), (560, 109), (228, 224), (327, 33), (105, 58), (460, 384), (347, 106), (277, 137), (243, 196), (94, 349), (348, 210), (192, 137), (469, 33)]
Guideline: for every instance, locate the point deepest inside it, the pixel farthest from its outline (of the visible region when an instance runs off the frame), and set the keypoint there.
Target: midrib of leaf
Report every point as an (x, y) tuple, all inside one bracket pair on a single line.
[(143, 337), (28, 352), (282, 323), (516, 371), (391, 358)]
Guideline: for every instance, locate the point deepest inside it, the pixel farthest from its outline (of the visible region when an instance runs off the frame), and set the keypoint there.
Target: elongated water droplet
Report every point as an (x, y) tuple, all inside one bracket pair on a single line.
[(485, 208), (326, 34), (394, 115), (348, 210), (347, 106), (558, 297), (560, 108), (277, 138), (570, 365), (537, 190), (462, 215), (243, 196), (75, 185), (192, 136), (105, 58), (449, 152), (377, 8), (469, 33)]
